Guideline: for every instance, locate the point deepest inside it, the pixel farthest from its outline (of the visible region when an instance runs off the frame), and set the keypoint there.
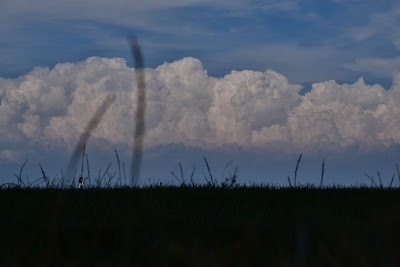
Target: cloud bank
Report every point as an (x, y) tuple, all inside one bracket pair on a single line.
[(248, 109)]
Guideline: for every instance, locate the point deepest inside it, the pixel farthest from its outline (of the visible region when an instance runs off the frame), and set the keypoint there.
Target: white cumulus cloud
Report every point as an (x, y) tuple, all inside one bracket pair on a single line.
[(252, 109)]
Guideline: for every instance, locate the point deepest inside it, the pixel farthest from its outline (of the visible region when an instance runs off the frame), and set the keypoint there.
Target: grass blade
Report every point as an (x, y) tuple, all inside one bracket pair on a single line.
[(295, 171), (209, 171), (140, 110), (119, 167), (87, 131), (322, 173)]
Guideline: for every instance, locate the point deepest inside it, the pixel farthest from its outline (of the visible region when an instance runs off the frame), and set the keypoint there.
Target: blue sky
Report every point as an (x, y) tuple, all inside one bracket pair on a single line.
[(321, 40), (305, 41)]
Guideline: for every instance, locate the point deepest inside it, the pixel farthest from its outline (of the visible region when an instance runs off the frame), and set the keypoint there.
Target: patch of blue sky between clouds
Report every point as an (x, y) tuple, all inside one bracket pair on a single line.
[(213, 32)]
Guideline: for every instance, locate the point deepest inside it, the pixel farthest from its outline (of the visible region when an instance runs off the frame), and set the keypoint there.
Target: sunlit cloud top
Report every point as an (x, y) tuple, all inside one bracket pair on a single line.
[(185, 105)]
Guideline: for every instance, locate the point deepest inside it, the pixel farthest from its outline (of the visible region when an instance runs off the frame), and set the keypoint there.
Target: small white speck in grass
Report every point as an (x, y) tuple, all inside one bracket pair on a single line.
[(81, 182)]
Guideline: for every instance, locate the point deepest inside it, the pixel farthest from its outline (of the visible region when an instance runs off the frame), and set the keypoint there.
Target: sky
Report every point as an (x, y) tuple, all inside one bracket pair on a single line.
[(250, 85)]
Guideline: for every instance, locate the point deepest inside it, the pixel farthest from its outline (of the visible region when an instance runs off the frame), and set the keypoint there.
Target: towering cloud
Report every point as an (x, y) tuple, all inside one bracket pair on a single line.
[(50, 108)]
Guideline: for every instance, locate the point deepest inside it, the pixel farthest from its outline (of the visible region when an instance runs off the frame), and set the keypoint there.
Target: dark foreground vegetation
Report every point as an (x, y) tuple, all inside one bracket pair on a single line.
[(200, 226)]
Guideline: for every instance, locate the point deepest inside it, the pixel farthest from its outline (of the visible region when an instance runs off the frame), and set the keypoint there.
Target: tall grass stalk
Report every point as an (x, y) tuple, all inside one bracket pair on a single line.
[(45, 177), (83, 158), (88, 168), (19, 177), (176, 178), (226, 166), (231, 180), (98, 181), (119, 168), (108, 167), (297, 167), (371, 178), (391, 181), (123, 168), (37, 180), (322, 173), (182, 180), (380, 180), (191, 175), (27, 181), (209, 171), (62, 178), (72, 185), (110, 177)]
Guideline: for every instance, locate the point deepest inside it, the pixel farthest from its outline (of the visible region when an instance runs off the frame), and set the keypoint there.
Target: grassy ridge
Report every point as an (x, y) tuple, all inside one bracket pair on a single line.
[(197, 226)]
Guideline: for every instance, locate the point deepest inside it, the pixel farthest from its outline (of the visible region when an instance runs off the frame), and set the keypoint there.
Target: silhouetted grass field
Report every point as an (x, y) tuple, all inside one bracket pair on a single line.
[(200, 226)]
